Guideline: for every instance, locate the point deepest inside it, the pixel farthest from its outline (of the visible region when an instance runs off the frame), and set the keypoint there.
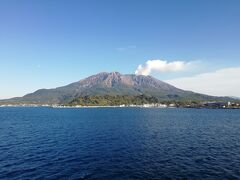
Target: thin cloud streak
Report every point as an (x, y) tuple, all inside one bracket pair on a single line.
[(126, 48)]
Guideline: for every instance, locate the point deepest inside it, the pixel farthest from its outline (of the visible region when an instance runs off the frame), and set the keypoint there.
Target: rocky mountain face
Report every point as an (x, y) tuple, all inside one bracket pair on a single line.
[(112, 83)]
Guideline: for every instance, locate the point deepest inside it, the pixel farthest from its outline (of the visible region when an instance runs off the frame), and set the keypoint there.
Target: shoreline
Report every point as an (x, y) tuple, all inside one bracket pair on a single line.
[(131, 106)]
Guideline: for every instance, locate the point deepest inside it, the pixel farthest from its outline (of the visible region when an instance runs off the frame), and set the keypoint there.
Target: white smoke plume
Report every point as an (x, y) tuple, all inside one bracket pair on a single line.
[(161, 66)]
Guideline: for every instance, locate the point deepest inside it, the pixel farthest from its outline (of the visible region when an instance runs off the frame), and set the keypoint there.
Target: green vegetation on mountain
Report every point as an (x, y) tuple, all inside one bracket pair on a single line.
[(111, 100), (117, 100)]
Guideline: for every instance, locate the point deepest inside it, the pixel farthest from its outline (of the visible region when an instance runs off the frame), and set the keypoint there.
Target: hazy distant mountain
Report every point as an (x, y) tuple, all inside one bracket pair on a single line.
[(112, 83), (234, 97)]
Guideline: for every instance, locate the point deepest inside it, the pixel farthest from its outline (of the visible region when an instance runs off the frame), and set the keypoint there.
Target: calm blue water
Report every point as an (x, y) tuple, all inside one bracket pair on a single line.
[(118, 143)]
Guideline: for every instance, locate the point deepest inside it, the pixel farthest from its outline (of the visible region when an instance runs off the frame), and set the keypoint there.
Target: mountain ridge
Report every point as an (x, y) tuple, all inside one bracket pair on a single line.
[(113, 83)]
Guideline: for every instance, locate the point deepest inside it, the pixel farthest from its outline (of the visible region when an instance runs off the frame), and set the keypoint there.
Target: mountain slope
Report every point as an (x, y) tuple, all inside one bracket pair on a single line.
[(111, 84)]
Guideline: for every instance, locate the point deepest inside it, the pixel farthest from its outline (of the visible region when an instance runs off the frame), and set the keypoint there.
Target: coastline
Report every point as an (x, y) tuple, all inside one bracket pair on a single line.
[(117, 106)]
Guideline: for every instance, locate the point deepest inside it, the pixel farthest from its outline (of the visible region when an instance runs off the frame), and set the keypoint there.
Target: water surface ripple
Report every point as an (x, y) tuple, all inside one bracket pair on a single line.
[(119, 143)]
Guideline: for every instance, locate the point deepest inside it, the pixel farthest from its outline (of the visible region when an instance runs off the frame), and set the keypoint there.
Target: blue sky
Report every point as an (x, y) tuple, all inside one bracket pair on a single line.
[(50, 43)]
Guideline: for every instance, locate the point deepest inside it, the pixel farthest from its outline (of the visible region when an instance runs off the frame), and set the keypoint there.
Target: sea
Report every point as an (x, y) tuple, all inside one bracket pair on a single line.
[(119, 143)]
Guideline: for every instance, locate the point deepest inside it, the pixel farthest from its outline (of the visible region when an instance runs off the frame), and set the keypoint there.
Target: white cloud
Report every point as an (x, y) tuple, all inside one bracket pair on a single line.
[(223, 82), (161, 66)]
